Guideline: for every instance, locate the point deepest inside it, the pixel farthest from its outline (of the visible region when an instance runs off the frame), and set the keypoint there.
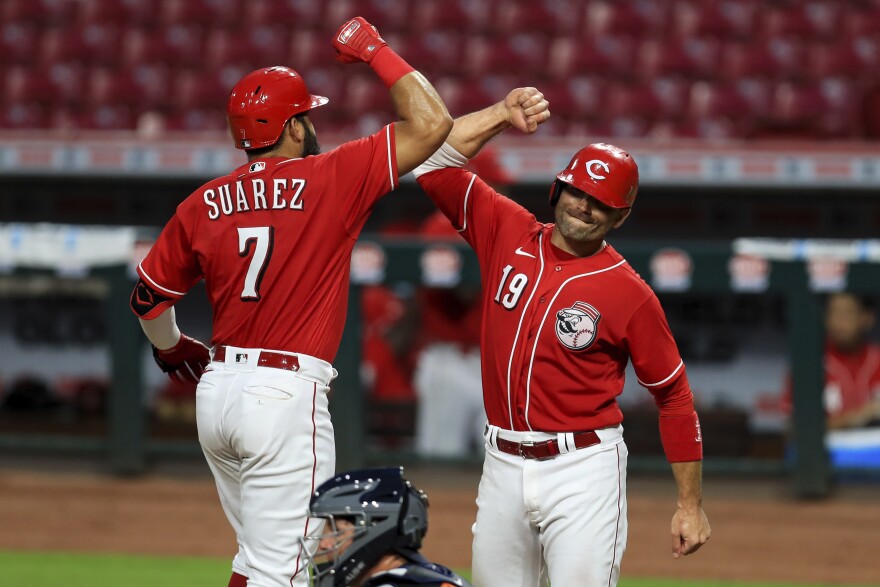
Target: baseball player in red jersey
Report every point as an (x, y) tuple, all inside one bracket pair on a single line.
[(273, 242), (563, 313)]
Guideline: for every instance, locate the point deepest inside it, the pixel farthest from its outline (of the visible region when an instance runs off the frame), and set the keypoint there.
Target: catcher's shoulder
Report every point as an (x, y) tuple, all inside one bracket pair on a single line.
[(425, 574)]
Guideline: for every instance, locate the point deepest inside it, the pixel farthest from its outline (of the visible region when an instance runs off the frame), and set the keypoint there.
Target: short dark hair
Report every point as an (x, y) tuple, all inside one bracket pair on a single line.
[(867, 303)]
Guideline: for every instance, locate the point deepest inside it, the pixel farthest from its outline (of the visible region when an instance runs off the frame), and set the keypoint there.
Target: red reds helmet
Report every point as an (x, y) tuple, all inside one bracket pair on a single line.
[(605, 172), (263, 101)]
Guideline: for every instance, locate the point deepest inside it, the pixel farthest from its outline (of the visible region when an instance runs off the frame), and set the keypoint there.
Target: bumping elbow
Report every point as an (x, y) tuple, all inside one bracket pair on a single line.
[(438, 127)]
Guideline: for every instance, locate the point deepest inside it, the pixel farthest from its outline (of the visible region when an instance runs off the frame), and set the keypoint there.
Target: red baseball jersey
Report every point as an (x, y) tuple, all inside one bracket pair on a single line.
[(558, 330), (852, 380), (273, 242)]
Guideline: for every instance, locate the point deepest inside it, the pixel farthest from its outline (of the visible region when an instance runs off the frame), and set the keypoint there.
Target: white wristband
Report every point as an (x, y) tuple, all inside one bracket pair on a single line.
[(445, 156)]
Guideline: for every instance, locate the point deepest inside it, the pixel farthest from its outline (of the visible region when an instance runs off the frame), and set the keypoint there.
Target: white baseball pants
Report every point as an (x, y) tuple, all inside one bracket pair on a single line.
[(268, 439), (561, 520), (449, 386)]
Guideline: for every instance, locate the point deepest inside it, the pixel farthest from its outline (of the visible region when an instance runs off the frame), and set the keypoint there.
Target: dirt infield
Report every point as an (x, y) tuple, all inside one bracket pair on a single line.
[(759, 531)]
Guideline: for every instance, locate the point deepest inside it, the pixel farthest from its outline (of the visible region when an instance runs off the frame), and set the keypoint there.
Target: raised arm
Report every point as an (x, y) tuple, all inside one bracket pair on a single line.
[(523, 109), (424, 121)]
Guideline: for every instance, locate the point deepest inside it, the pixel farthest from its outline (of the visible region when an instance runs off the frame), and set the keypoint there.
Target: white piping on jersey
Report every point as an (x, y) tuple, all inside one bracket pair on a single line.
[(541, 326), (388, 143), (671, 375), (519, 327), (156, 285), (289, 160), (467, 195)]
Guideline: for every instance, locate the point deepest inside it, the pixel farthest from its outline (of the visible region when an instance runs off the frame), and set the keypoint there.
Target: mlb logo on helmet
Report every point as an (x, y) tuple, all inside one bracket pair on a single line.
[(347, 32)]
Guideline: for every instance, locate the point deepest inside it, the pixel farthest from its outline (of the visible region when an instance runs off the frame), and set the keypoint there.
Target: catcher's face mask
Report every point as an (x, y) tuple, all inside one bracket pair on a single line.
[(324, 551)]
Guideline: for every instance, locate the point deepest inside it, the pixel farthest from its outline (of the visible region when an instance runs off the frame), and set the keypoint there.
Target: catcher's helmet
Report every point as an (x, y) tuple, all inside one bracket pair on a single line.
[(605, 172), (388, 514), (263, 101)]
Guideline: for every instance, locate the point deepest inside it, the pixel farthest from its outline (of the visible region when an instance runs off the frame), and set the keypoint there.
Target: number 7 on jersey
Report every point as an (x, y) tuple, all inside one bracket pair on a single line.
[(262, 238)]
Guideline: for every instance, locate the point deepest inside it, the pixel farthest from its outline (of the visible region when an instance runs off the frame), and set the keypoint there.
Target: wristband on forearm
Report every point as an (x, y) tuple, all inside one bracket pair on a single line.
[(681, 437), (445, 156), (389, 66)]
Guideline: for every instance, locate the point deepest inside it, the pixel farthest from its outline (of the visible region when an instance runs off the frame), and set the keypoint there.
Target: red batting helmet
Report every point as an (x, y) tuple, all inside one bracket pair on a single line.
[(263, 101), (606, 172)]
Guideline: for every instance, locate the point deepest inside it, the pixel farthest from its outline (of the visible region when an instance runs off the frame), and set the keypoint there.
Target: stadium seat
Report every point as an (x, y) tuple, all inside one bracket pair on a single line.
[(562, 100), (436, 52), (20, 115), (632, 101), (840, 59), (631, 18), (457, 15), (104, 43), (781, 20), (69, 81), (38, 12), (29, 85), (754, 95), (843, 100), (389, 16), (549, 17), (196, 120), (364, 95), (689, 57), (701, 19), (18, 43), (463, 95), (710, 100), (861, 20), (259, 47), (672, 95), (306, 15), (522, 53), (152, 81), (612, 56), (771, 57), (200, 90), (206, 13), (63, 44), (795, 110)]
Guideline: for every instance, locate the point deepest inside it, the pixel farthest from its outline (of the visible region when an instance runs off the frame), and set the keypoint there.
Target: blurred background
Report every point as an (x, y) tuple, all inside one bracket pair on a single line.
[(754, 122)]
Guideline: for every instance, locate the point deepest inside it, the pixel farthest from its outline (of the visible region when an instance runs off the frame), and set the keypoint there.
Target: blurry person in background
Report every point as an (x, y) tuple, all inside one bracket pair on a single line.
[(852, 364), (386, 364), (451, 418)]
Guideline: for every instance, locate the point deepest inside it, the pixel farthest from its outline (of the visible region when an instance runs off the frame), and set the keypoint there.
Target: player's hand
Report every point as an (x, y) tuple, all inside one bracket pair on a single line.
[(526, 108), (357, 41), (690, 531), (185, 361)]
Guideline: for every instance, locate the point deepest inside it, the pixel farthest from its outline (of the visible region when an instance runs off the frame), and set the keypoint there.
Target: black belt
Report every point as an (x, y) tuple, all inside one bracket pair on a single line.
[(267, 359), (545, 449)]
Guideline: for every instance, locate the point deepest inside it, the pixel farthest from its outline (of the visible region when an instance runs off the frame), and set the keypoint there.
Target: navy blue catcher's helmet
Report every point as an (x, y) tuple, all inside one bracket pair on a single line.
[(384, 514)]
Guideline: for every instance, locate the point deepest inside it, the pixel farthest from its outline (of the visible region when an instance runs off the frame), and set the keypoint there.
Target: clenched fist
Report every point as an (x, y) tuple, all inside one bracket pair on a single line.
[(185, 361), (357, 41), (526, 108)]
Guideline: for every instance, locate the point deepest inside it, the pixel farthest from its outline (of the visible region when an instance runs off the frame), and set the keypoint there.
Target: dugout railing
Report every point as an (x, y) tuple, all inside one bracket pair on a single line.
[(128, 448)]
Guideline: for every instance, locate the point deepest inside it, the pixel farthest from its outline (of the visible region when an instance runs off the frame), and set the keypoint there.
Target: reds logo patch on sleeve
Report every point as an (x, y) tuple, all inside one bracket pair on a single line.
[(576, 326)]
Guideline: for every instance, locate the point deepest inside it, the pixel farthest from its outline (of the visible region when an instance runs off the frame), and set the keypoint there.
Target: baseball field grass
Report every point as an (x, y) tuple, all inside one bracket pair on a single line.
[(39, 569)]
